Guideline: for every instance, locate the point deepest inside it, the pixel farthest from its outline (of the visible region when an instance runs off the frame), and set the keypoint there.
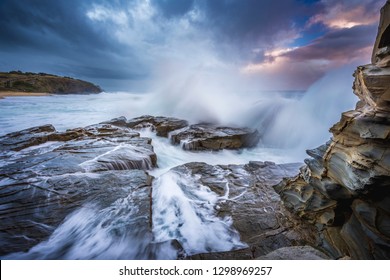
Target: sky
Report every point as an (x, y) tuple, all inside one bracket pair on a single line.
[(129, 45)]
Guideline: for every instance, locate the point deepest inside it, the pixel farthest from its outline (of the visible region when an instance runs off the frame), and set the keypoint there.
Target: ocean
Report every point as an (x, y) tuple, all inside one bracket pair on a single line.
[(289, 123)]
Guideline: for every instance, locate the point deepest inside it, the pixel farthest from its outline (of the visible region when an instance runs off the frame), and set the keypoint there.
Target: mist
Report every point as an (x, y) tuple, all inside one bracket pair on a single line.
[(293, 120)]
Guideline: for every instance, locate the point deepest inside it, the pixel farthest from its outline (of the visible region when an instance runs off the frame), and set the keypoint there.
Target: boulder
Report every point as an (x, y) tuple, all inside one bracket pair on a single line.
[(212, 137), (161, 125)]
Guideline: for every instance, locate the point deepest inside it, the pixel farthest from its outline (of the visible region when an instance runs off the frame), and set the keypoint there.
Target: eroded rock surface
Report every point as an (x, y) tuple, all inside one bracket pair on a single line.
[(295, 253), (88, 188), (195, 137), (381, 53), (244, 194), (344, 187), (60, 191), (46, 175), (212, 137), (161, 125)]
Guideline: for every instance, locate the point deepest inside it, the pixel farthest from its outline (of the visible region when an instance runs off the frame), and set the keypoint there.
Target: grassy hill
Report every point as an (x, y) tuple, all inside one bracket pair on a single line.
[(18, 81)]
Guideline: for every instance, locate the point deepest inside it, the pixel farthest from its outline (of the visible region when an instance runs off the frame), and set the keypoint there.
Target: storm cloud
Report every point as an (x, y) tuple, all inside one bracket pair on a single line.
[(123, 44)]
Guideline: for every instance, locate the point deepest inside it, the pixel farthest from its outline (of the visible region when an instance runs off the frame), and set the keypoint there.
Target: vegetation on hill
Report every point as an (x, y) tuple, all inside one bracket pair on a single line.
[(42, 82)]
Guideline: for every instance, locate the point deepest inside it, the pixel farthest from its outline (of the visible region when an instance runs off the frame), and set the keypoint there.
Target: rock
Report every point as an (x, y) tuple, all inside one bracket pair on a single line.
[(213, 137), (120, 121), (295, 253), (344, 187), (371, 86), (194, 137), (381, 55), (104, 146), (33, 207), (161, 125), (47, 175), (17, 141), (245, 193)]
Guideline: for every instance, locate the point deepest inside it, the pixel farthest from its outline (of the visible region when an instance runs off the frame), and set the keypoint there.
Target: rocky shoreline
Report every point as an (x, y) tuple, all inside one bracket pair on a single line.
[(48, 175), (62, 190)]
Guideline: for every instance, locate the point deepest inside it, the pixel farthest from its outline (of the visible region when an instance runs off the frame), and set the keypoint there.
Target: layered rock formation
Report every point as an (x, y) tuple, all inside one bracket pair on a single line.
[(344, 187), (380, 54), (46, 175)]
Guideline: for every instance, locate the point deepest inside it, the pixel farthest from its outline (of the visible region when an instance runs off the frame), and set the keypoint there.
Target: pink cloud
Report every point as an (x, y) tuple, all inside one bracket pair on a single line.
[(347, 14)]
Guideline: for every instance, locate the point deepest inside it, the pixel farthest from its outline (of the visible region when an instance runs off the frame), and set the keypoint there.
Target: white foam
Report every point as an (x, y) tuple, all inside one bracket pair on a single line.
[(109, 233), (185, 210)]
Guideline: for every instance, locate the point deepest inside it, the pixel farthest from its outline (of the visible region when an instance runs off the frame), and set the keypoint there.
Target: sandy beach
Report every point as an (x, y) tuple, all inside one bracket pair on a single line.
[(21, 93)]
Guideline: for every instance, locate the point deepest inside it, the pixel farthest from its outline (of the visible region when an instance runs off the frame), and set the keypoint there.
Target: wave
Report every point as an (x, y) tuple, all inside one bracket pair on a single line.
[(287, 120)]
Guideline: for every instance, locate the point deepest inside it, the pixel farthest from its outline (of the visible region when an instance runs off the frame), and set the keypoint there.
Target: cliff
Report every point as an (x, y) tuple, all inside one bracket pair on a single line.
[(32, 82), (344, 189)]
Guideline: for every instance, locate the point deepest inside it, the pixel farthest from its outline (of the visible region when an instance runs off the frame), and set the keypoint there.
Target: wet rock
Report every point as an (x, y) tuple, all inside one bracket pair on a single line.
[(194, 137), (19, 140), (245, 193), (213, 137), (161, 125), (344, 187), (295, 253), (97, 147), (34, 207), (45, 175)]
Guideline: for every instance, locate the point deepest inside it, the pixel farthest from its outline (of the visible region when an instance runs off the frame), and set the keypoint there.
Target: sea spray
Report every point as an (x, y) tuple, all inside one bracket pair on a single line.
[(169, 156), (285, 120), (304, 123), (115, 232), (186, 211)]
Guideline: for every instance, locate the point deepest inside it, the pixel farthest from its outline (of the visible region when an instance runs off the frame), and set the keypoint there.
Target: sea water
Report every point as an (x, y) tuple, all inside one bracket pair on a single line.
[(289, 123)]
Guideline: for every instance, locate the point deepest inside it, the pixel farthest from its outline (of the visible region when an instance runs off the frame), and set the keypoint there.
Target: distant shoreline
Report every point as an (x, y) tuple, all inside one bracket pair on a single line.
[(21, 93)]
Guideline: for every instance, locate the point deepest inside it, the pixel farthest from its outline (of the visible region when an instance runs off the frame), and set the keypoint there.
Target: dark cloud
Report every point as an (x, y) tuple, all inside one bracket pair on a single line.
[(46, 24), (244, 23), (239, 27), (97, 72), (126, 39), (52, 34), (251, 20)]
